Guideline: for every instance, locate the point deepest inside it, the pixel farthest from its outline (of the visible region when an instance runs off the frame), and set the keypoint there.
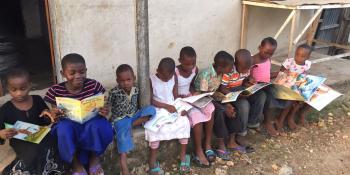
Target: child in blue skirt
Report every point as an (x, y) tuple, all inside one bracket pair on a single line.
[(126, 113), (79, 144)]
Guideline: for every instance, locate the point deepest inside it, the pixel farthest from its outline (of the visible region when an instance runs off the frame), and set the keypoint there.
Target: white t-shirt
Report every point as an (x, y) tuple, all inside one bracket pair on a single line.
[(292, 66)]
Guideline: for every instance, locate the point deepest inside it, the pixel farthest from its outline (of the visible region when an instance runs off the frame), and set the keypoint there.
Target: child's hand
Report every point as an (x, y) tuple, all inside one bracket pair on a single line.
[(54, 114), (230, 111), (171, 109), (184, 113), (7, 133), (47, 113), (104, 111), (196, 93)]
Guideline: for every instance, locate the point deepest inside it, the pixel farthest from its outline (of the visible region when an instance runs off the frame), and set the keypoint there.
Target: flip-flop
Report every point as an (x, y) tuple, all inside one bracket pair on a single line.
[(210, 154), (185, 167), (240, 149), (198, 163), (95, 168), (223, 154), (80, 173), (157, 170)]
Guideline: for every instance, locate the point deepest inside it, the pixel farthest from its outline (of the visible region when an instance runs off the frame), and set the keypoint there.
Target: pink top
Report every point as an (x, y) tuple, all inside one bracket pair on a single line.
[(261, 72)]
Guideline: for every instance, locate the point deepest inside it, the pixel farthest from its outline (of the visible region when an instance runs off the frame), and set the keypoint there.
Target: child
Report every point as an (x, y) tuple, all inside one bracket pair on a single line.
[(164, 92), (209, 80), (299, 65), (31, 158), (123, 100), (261, 72), (186, 72), (79, 144), (249, 109)]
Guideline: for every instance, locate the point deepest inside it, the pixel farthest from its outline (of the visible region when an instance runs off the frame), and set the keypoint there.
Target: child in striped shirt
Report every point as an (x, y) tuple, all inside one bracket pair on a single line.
[(79, 144)]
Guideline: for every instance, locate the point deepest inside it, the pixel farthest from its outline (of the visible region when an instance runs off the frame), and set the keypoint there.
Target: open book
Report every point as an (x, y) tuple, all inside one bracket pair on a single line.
[(322, 97), (232, 96), (200, 100), (293, 86), (29, 132), (80, 111)]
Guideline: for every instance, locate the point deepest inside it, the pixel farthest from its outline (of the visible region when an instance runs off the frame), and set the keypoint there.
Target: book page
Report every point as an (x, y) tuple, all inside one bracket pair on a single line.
[(90, 105), (254, 88), (322, 97), (163, 117), (194, 98), (231, 97), (71, 107), (181, 105), (29, 132)]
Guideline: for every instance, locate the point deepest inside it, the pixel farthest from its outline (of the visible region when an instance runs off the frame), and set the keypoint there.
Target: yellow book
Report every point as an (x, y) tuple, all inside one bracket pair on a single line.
[(80, 110), (29, 132)]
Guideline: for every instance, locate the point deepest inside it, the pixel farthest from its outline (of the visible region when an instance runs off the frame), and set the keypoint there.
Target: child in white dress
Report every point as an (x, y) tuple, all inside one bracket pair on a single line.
[(199, 117), (164, 93), (300, 65)]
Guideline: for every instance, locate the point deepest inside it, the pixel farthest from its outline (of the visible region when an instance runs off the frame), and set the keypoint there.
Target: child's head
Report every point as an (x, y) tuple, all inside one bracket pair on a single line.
[(223, 62), (18, 84), (243, 61), (187, 58), (74, 70), (125, 77), (302, 53), (166, 69), (267, 47)]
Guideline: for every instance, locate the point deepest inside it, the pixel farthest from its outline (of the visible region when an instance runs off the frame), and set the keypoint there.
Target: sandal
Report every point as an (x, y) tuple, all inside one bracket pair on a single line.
[(94, 169), (80, 173), (210, 154), (156, 170), (242, 149), (198, 162), (185, 166), (223, 154)]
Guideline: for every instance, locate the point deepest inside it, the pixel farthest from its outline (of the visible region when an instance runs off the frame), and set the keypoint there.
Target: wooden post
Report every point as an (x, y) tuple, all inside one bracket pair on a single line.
[(142, 49), (52, 52), (290, 16), (244, 24), (293, 28), (312, 31)]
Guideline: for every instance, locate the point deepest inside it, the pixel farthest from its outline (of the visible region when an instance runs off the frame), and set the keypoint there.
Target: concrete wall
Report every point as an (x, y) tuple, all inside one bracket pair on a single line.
[(104, 31)]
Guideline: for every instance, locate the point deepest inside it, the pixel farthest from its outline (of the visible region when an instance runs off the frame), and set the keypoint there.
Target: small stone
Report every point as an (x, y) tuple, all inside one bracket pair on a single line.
[(330, 118), (173, 165), (274, 167), (225, 167), (263, 146), (174, 169), (345, 137), (277, 146), (348, 113), (304, 167), (285, 170), (230, 163), (311, 151), (167, 173), (330, 114), (219, 171), (338, 131)]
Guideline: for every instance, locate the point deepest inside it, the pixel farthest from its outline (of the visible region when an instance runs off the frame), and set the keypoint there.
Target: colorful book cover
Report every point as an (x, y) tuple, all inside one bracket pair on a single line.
[(29, 132), (80, 111), (293, 86), (163, 117), (322, 97), (232, 96)]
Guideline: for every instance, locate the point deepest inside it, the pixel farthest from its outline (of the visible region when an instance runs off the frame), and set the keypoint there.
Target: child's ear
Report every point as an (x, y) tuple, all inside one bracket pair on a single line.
[(61, 72)]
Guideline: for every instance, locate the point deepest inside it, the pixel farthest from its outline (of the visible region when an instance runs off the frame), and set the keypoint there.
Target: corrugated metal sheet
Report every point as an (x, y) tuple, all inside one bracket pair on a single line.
[(329, 27)]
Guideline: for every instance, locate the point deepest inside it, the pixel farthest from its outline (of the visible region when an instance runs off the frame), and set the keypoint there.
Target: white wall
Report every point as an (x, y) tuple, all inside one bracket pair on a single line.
[(103, 31)]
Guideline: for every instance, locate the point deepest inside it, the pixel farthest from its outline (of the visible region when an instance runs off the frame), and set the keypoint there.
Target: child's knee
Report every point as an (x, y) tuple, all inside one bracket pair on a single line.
[(148, 110), (183, 141), (154, 145)]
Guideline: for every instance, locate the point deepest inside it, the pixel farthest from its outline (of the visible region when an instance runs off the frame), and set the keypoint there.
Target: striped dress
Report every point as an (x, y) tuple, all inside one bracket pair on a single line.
[(92, 136)]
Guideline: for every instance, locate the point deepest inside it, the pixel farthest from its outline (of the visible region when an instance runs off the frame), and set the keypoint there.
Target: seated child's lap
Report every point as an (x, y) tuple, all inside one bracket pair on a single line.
[(272, 102), (200, 115)]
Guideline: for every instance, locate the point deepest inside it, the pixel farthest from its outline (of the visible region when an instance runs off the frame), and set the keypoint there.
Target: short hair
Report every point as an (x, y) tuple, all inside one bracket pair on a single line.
[(306, 46), (268, 40), (167, 64), (188, 51), (245, 56), (224, 57), (72, 58), (17, 73), (124, 68)]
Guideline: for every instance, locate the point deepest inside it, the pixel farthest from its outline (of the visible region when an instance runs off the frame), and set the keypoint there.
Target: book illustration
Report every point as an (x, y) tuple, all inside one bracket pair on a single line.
[(254, 88), (163, 117), (322, 97), (80, 111), (29, 132), (233, 96), (200, 100), (303, 86)]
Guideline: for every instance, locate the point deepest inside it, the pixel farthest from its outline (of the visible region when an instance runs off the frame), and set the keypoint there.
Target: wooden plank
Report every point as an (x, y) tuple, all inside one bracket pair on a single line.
[(293, 28), (331, 26), (332, 44), (289, 18), (311, 34), (318, 12), (270, 5), (330, 58), (244, 26), (328, 6), (52, 50)]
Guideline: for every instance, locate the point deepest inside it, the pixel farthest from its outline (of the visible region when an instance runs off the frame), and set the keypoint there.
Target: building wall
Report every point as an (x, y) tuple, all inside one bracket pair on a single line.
[(104, 31)]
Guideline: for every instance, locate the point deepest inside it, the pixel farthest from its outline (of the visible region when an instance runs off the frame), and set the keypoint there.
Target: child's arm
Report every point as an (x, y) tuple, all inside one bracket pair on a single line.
[(249, 81), (158, 104), (223, 89), (175, 88), (192, 87), (5, 133)]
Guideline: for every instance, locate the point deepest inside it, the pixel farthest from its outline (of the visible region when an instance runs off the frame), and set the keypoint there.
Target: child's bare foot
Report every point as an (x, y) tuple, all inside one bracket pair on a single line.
[(292, 125), (271, 129), (202, 158), (279, 125)]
